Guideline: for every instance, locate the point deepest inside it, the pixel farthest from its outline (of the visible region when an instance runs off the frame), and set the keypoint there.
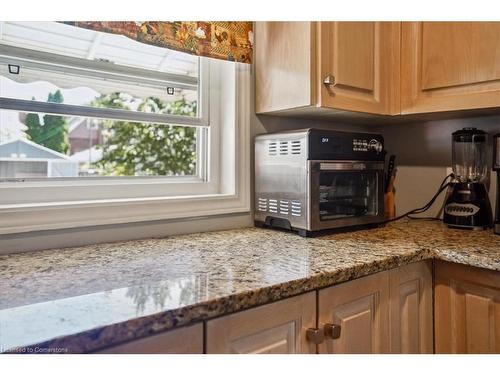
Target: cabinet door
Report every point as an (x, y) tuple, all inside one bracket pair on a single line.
[(467, 309), (185, 340), (361, 308), (283, 65), (449, 66), (411, 308), (276, 328), (362, 62)]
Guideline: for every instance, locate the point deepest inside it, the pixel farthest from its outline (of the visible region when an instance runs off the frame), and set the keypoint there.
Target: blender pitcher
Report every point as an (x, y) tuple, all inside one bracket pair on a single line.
[(469, 155)]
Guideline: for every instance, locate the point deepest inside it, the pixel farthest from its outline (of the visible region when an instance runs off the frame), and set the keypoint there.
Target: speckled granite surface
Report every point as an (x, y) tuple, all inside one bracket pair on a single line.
[(86, 298)]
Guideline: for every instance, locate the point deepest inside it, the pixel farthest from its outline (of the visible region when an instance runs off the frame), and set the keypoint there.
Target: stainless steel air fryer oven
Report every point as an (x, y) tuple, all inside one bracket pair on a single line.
[(310, 180)]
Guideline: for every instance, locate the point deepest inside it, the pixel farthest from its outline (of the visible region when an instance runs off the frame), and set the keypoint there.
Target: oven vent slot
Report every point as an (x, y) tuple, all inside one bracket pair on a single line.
[(296, 208), (262, 206), (273, 205), (281, 206), (296, 147), (284, 207), (272, 148), (283, 147)]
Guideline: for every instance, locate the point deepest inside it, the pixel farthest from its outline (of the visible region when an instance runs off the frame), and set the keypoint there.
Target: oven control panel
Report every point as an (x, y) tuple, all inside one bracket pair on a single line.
[(337, 145), (365, 145)]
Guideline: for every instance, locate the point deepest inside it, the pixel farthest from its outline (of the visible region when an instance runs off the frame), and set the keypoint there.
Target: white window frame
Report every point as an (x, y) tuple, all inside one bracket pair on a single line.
[(221, 187)]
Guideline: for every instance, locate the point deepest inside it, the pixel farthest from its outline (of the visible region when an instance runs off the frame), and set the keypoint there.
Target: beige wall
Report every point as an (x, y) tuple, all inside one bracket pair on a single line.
[(423, 152)]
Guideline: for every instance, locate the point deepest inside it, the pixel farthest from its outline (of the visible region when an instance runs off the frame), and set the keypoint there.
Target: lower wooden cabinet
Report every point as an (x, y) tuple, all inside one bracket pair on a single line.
[(386, 312), (360, 308), (185, 340), (275, 328), (410, 310), (467, 309)]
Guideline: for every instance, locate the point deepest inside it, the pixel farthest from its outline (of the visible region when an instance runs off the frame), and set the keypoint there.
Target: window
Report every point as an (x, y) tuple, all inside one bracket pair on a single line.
[(89, 119), (105, 102)]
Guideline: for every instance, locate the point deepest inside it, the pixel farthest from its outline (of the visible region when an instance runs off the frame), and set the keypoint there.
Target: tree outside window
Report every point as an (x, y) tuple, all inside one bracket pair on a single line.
[(127, 148)]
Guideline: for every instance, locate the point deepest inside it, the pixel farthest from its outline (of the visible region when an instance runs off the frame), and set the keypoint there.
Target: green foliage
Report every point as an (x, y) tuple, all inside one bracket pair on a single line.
[(56, 97), (34, 129), (131, 148), (53, 133)]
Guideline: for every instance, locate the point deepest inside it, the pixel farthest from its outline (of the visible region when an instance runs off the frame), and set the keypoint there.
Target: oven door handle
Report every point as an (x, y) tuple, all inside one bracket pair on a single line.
[(350, 166)]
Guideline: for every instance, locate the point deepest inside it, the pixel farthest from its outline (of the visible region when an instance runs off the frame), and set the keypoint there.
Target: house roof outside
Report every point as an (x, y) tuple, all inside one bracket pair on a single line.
[(24, 149)]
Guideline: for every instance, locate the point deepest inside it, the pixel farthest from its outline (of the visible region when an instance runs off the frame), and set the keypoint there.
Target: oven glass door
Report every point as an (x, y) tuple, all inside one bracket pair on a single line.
[(344, 194)]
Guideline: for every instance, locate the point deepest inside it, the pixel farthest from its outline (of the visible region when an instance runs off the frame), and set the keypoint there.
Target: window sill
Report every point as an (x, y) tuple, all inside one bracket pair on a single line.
[(62, 215)]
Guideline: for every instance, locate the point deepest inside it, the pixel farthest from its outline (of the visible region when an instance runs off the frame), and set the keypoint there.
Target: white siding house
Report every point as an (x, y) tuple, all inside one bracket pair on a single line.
[(22, 158)]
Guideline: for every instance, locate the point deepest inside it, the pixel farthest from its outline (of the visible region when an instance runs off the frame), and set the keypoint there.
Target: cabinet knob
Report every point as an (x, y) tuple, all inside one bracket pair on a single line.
[(332, 331), (315, 335), (329, 81)]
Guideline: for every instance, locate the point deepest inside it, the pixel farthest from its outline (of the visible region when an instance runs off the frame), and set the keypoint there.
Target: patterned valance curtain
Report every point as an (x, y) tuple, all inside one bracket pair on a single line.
[(221, 40)]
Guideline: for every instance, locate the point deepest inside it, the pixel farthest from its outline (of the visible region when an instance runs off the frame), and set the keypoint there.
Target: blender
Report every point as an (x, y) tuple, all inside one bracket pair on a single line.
[(467, 205)]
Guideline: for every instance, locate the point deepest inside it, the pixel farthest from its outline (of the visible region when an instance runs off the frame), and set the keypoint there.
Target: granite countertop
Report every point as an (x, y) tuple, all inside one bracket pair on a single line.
[(86, 298)]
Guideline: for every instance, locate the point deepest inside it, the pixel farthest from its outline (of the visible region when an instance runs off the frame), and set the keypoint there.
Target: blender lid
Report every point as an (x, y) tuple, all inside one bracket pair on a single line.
[(468, 134)]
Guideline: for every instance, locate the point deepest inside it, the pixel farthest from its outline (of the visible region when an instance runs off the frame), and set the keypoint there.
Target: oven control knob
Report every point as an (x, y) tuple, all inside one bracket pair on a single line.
[(375, 145)]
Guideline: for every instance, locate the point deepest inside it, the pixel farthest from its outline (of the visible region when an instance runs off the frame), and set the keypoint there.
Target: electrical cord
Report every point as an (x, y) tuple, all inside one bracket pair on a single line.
[(444, 185), (437, 217)]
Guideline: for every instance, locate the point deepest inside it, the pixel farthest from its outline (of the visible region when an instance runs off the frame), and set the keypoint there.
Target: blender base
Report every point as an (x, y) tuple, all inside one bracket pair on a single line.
[(468, 206)]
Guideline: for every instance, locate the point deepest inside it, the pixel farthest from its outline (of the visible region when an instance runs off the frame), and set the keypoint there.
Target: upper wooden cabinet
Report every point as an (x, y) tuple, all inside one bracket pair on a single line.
[(346, 66), (376, 68), (449, 66), (284, 65), (359, 66)]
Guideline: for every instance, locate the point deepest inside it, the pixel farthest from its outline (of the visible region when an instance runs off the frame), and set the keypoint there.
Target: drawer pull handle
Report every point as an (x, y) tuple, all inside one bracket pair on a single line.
[(332, 331), (330, 81), (315, 335)]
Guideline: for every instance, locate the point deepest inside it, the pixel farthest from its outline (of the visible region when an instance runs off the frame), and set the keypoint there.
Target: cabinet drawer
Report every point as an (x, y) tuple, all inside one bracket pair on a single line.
[(185, 340), (276, 328)]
